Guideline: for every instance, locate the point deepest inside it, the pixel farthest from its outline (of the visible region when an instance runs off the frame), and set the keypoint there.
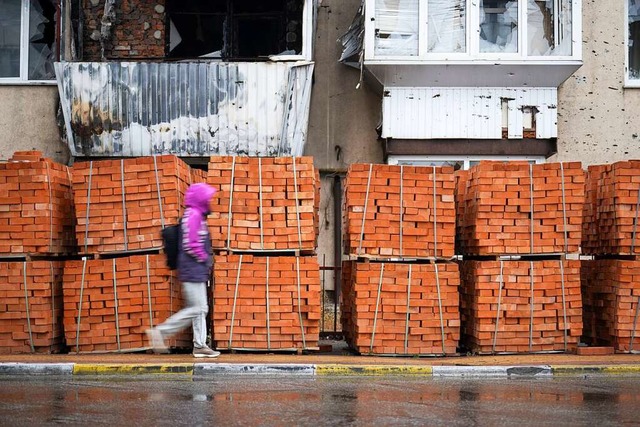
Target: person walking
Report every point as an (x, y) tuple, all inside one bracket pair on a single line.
[(195, 260)]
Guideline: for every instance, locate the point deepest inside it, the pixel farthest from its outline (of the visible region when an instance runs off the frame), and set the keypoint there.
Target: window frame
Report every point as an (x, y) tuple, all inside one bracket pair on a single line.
[(628, 81), (466, 160), (472, 38), (23, 78)]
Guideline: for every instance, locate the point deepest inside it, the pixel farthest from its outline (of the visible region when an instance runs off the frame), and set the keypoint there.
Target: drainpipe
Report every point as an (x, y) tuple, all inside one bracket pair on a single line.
[(337, 245)]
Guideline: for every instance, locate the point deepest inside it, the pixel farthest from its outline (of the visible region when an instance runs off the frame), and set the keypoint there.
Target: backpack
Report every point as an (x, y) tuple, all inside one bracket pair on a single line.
[(171, 240)]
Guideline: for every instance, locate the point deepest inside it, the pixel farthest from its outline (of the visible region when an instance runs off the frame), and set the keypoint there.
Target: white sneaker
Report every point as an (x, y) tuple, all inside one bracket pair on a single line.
[(205, 352), (156, 341)]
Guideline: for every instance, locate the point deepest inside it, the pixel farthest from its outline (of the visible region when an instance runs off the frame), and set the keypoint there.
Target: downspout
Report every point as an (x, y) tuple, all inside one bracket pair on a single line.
[(337, 245)]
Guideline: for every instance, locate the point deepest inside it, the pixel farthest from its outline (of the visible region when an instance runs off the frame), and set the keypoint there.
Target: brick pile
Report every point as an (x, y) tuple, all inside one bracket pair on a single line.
[(401, 308), (611, 299), (36, 207), (612, 213), (264, 204), (31, 307), (611, 281), (266, 302), (399, 212), (520, 209), (520, 306), (109, 303), (121, 205)]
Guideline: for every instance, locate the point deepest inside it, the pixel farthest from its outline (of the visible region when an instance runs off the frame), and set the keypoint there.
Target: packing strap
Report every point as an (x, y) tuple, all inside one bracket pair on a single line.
[(155, 168), (261, 207), (268, 308), (149, 292), (50, 209), (26, 303), (635, 224), (440, 308), (564, 304), (501, 279), (364, 213), (84, 270), (531, 307), (375, 316), (86, 222), (295, 184), (124, 207), (406, 329), (531, 205), (233, 178), (115, 300), (235, 301), (435, 219), (564, 213), (304, 342), (402, 215)]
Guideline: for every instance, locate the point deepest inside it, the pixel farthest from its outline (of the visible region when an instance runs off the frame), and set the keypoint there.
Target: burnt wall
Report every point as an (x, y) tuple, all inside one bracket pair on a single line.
[(137, 33)]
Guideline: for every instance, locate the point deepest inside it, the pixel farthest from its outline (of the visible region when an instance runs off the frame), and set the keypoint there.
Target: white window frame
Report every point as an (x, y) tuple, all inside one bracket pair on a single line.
[(628, 82), (23, 79), (308, 19), (472, 38), (466, 160)]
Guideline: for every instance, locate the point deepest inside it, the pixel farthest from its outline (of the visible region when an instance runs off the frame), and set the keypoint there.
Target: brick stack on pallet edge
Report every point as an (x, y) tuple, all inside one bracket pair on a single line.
[(399, 286), (36, 237), (611, 280), (264, 222), (519, 234)]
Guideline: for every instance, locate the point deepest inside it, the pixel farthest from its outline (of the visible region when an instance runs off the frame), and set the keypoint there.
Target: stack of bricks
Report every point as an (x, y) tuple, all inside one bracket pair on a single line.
[(396, 219), (611, 281), (121, 205), (36, 235), (264, 204), (517, 208), (399, 212), (532, 213), (31, 307), (266, 302), (521, 306), (402, 308), (36, 207), (264, 225), (109, 303)]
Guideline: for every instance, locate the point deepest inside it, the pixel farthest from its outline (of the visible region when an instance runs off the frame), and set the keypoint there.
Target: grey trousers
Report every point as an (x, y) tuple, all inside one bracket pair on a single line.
[(193, 314)]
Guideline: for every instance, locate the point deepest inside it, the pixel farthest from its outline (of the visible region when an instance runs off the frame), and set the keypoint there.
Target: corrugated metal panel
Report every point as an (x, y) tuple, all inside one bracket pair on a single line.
[(187, 108), (465, 113)]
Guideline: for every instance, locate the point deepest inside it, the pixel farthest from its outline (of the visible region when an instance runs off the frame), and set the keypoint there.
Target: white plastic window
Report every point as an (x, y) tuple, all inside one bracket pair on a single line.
[(633, 41), (397, 27), (27, 40), (447, 26)]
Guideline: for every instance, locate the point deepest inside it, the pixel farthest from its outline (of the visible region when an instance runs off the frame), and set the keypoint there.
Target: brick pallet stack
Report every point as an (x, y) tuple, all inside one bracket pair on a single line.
[(611, 281), (36, 235), (519, 226), (264, 226), (400, 293), (122, 286)]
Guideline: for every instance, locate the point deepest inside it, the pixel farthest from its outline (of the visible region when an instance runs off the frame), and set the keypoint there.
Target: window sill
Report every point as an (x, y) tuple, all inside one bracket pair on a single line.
[(632, 85), (9, 82)]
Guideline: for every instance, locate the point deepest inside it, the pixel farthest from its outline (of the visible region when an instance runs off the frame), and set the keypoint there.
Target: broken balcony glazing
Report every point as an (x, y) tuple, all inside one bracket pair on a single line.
[(447, 26), (549, 27), (42, 29), (498, 26), (397, 27)]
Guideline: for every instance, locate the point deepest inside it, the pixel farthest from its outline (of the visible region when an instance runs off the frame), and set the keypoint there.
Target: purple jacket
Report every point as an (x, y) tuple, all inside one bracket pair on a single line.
[(195, 259)]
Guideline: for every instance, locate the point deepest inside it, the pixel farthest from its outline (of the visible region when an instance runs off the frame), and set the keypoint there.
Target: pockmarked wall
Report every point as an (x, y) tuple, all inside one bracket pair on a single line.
[(598, 118), (28, 121)]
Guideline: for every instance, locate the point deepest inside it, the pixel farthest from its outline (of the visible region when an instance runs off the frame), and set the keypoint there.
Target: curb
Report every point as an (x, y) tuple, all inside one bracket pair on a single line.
[(205, 370)]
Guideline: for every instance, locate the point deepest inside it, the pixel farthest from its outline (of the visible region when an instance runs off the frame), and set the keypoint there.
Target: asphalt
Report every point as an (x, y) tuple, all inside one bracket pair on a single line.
[(335, 363)]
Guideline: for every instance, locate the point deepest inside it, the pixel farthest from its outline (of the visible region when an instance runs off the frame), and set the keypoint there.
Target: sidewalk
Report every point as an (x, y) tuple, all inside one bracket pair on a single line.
[(534, 365)]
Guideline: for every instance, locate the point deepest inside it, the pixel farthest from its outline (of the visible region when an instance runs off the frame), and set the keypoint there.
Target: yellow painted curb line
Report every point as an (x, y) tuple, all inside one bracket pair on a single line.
[(595, 369), (373, 370), (140, 369)]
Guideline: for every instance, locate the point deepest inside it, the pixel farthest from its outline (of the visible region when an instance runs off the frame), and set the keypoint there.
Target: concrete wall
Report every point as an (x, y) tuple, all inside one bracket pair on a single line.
[(341, 115), (598, 118), (28, 121)]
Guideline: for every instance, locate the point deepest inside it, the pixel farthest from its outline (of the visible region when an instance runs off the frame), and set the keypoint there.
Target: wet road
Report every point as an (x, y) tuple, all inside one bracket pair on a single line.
[(252, 401)]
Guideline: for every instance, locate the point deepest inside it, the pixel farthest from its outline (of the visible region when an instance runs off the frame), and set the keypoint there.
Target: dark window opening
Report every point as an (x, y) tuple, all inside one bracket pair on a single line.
[(234, 29)]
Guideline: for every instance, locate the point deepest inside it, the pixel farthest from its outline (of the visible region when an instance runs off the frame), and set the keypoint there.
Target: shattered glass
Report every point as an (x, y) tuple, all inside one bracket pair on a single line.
[(42, 35), (9, 38), (447, 26), (498, 26), (549, 27), (397, 27), (634, 39)]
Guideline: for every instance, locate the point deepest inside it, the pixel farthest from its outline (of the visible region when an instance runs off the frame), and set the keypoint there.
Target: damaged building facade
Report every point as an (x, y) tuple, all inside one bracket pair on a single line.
[(406, 81)]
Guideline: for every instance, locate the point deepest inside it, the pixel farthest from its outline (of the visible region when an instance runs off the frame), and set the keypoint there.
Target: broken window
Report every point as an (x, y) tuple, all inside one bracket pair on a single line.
[(397, 27), (633, 41), (498, 26), (549, 27), (447, 26), (246, 29), (30, 57)]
